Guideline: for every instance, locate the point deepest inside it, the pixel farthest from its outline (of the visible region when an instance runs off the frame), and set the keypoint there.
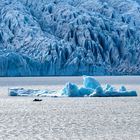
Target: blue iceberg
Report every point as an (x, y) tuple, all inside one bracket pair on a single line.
[(90, 82), (120, 93), (85, 91), (98, 93), (91, 88), (71, 90)]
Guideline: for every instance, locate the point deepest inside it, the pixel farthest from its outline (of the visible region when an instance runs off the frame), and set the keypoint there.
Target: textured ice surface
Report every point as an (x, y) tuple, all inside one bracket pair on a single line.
[(90, 82), (31, 92), (70, 118), (72, 90), (69, 37)]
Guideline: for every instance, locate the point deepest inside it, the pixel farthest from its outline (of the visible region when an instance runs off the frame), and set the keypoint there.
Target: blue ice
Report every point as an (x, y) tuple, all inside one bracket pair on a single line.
[(69, 37), (90, 82), (91, 88)]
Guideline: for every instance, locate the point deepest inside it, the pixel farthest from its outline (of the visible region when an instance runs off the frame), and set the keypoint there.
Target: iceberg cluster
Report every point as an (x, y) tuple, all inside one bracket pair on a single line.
[(69, 37), (91, 88)]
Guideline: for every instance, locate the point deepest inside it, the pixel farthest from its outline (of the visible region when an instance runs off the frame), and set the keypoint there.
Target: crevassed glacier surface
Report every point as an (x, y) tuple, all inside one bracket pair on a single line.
[(69, 37)]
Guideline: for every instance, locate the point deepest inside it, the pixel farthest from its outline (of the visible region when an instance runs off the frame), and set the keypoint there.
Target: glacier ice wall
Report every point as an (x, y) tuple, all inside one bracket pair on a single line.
[(69, 37)]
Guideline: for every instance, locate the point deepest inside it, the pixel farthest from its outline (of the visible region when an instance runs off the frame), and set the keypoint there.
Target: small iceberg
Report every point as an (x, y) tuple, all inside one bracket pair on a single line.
[(91, 88), (30, 92)]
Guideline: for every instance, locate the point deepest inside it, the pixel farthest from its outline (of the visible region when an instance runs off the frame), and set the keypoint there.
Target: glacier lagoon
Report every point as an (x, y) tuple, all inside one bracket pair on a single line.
[(69, 118)]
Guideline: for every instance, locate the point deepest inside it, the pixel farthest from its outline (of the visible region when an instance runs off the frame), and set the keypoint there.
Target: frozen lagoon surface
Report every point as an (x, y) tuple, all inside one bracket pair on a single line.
[(69, 118)]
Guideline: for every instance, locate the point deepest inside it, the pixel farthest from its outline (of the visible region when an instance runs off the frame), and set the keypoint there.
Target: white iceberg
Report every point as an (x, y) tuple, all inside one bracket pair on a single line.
[(30, 92)]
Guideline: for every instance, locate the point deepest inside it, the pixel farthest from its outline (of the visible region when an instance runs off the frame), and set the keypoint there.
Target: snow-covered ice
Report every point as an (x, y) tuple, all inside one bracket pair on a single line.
[(70, 118), (91, 88), (32, 92)]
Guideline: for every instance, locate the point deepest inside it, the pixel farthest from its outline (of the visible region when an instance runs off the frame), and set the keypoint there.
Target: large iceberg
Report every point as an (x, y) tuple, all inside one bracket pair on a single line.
[(69, 37), (91, 88)]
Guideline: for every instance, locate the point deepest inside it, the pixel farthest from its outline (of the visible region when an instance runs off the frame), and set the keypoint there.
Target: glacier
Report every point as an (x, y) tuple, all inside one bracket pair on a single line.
[(69, 37), (91, 88)]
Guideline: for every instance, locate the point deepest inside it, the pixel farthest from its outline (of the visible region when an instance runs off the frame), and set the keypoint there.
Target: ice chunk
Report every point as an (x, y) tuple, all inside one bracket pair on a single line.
[(128, 93), (122, 88), (111, 93), (110, 88), (85, 91), (98, 92), (107, 87), (90, 82), (71, 90), (30, 92), (120, 93), (13, 92)]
